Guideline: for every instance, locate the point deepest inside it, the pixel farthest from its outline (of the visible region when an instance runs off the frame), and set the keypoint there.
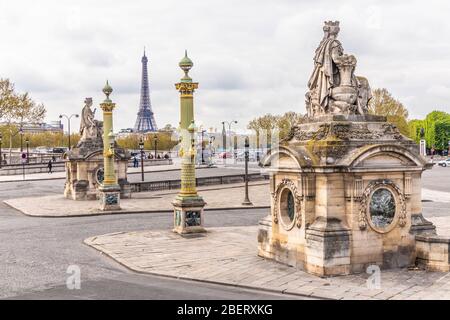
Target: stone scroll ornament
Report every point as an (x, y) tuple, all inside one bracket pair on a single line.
[(276, 198), (333, 86), (365, 200)]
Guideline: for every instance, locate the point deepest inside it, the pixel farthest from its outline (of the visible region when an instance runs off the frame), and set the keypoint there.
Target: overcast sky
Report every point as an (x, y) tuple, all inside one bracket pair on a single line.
[(250, 57)]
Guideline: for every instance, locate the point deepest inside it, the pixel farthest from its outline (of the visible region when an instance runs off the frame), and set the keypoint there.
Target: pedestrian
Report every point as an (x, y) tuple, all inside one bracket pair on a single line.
[(49, 166), (135, 162)]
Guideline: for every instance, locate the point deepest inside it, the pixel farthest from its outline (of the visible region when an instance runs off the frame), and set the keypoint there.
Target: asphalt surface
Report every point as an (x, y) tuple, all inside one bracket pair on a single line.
[(35, 253)]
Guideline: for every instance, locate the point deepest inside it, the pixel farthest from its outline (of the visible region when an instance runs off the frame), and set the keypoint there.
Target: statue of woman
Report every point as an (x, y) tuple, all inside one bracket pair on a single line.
[(325, 75), (88, 127)]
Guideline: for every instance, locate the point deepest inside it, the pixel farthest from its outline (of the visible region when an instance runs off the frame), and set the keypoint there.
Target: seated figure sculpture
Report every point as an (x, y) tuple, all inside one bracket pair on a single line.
[(333, 86), (89, 127), (84, 163), (346, 184)]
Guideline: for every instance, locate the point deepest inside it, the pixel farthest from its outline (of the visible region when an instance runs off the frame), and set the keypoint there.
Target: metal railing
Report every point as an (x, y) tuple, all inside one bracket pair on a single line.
[(204, 181)]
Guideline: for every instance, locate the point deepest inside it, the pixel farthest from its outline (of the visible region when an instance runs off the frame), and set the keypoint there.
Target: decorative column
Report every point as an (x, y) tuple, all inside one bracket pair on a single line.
[(188, 205), (109, 190)]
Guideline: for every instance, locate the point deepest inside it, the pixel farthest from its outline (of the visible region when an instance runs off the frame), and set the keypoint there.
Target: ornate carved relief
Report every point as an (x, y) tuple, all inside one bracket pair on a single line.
[(400, 200), (408, 185), (287, 183)]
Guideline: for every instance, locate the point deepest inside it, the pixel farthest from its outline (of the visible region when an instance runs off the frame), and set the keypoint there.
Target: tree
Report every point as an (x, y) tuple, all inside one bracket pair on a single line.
[(287, 121), (17, 108), (436, 126), (269, 123), (7, 97), (383, 104), (414, 127)]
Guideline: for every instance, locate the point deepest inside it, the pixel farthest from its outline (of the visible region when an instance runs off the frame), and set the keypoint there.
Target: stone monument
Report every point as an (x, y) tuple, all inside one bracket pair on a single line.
[(84, 163), (346, 185)]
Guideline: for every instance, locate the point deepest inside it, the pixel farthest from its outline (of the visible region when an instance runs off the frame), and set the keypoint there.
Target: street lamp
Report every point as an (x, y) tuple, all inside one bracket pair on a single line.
[(229, 123), (155, 140), (203, 147), (211, 141), (21, 138), (68, 124), (141, 147), (247, 201), (28, 151)]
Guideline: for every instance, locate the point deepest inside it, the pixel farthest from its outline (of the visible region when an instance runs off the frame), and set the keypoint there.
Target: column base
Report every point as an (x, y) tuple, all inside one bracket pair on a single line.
[(328, 248), (420, 225), (188, 214), (109, 197)]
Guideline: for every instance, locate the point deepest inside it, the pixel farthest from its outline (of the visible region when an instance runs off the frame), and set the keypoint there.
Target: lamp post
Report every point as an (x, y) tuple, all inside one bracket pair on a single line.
[(211, 141), (203, 147), (27, 142), (21, 138), (68, 124), (188, 205), (141, 147), (224, 142), (229, 123), (155, 140), (247, 201), (109, 190)]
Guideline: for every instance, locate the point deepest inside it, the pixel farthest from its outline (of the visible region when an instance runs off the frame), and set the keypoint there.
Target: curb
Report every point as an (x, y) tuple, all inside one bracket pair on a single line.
[(109, 213), (88, 243)]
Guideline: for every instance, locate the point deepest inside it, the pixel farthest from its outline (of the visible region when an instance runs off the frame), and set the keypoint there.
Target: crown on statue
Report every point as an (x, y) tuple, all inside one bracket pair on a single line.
[(331, 25)]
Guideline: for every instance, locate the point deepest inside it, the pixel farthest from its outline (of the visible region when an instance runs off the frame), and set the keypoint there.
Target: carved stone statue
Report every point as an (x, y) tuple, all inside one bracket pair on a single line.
[(333, 86), (89, 127)]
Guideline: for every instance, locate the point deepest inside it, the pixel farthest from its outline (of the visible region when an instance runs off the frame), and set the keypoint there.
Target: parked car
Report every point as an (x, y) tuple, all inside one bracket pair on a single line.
[(59, 150), (42, 149), (251, 156), (444, 163), (224, 155)]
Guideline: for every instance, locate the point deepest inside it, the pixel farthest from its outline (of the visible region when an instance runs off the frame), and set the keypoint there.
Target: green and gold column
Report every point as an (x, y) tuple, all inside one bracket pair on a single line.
[(188, 205), (109, 190)]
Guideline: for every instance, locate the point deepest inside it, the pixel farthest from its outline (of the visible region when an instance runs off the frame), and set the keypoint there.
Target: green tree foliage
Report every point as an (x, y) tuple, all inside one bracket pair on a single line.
[(165, 141), (268, 123), (17, 108), (383, 104), (437, 129), (41, 139)]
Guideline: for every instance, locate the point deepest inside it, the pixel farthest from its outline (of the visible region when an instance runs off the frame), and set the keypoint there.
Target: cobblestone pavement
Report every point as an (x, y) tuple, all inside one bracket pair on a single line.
[(216, 197), (228, 256)]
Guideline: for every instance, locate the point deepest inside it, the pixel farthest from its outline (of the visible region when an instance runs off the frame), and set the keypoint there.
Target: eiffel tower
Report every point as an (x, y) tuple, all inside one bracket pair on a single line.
[(145, 121)]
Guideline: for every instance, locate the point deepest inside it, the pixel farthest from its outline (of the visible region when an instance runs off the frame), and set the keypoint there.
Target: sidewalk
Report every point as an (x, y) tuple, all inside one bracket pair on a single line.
[(143, 202), (229, 256)]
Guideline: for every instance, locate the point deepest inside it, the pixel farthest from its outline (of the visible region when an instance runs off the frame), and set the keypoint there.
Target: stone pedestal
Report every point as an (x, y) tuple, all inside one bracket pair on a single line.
[(85, 170), (346, 194), (109, 197), (188, 215)]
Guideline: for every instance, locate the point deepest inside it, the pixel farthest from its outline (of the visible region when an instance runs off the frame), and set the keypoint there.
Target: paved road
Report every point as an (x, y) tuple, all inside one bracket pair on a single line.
[(437, 179), (36, 252)]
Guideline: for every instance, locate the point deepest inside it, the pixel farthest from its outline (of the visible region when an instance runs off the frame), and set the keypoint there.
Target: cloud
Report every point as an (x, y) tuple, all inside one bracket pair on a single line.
[(250, 57)]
